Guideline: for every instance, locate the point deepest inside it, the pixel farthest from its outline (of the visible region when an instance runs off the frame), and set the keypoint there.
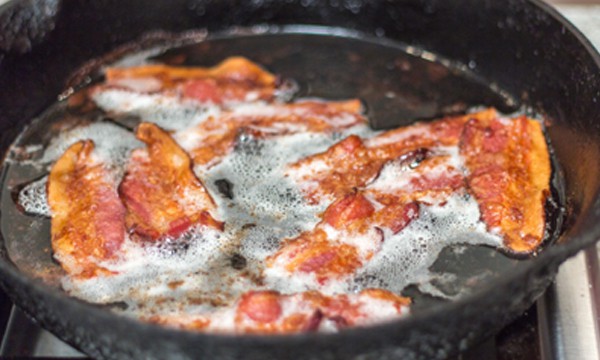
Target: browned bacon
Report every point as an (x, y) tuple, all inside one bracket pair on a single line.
[(215, 137), (510, 177), (266, 312), (88, 218), (162, 195), (353, 162), (369, 214), (234, 79), (314, 252), (263, 311)]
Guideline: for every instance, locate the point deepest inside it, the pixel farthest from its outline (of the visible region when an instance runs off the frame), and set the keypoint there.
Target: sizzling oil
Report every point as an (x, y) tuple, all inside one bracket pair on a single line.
[(397, 85)]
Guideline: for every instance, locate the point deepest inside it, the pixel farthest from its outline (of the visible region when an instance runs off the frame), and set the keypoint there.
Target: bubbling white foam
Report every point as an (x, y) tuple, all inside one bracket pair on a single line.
[(168, 112), (112, 143), (112, 147), (176, 270), (406, 257), (196, 274), (265, 203), (33, 198)]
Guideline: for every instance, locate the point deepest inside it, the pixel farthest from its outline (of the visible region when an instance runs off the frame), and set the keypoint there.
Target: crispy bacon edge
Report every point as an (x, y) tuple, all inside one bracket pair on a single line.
[(510, 172), (88, 217)]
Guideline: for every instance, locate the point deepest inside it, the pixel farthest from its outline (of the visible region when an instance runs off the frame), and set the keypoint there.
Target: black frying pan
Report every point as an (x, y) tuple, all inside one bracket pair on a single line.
[(506, 54)]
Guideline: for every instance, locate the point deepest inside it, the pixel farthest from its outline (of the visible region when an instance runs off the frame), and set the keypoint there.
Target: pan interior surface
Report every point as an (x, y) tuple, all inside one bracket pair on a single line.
[(398, 85)]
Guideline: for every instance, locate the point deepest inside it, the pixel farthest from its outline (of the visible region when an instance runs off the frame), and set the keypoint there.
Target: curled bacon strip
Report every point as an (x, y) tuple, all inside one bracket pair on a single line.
[(234, 79), (509, 176), (315, 252), (162, 195), (87, 215)]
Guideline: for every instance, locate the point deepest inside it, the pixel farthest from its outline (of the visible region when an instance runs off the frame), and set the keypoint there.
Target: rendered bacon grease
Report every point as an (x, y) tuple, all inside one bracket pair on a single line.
[(231, 209)]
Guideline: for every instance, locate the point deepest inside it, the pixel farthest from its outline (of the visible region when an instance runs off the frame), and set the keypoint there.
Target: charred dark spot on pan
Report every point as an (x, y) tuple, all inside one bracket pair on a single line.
[(225, 188), (248, 226), (238, 262)]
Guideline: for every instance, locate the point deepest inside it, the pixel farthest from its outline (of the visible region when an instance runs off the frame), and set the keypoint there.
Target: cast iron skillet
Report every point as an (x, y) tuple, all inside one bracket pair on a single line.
[(522, 47)]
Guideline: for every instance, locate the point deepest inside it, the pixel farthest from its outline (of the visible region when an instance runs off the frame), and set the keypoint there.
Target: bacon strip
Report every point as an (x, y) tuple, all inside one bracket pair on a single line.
[(363, 217), (271, 312), (314, 253), (214, 138), (509, 175), (234, 79), (87, 215), (267, 312), (162, 195), (353, 217), (352, 162)]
